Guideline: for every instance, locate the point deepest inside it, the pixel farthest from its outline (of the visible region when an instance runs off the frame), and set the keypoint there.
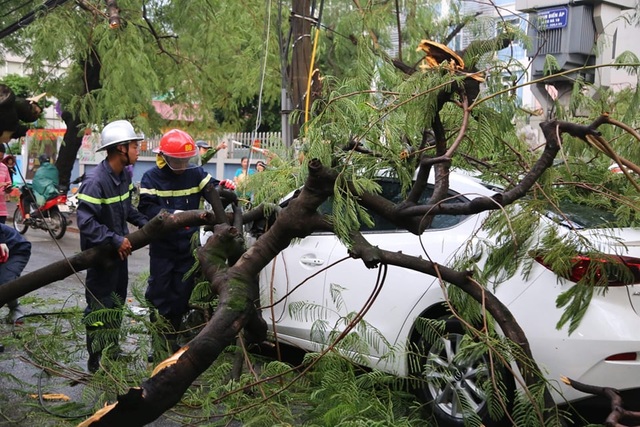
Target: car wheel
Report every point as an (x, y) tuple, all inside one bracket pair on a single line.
[(453, 387), (18, 221), (57, 223)]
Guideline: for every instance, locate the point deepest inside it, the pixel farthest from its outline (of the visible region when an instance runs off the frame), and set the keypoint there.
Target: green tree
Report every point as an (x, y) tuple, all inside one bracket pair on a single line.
[(204, 55), (20, 85)]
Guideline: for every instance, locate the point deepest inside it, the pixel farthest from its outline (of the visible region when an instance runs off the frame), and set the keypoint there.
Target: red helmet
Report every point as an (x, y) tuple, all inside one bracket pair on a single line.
[(177, 143), (178, 149)]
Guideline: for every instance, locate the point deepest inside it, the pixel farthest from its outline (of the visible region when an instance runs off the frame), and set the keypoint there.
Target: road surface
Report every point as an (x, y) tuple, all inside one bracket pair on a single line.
[(18, 377)]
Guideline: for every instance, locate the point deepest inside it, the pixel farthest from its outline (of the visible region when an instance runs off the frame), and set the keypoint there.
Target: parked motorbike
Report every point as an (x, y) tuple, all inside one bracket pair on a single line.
[(72, 199), (49, 217)]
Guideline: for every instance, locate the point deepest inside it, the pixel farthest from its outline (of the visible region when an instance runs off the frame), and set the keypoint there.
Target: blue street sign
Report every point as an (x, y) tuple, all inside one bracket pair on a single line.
[(553, 18)]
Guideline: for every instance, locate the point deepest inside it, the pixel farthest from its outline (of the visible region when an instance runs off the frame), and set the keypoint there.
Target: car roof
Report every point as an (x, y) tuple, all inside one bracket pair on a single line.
[(460, 181), (468, 185)]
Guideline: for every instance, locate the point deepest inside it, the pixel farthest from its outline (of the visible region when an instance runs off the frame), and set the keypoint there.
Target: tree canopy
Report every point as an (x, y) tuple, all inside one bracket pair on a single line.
[(417, 113)]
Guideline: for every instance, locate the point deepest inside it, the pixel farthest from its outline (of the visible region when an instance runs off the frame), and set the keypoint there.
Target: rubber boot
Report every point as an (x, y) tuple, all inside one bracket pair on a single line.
[(93, 363), (172, 337), (15, 315)]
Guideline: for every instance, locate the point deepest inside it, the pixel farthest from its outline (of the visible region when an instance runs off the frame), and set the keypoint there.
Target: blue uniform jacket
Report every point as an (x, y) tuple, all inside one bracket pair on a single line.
[(160, 189), (19, 253), (105, 207)]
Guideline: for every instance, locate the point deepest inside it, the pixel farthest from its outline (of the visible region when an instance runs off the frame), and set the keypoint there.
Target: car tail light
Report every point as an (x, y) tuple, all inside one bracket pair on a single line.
[(623, 357), (620, 270)]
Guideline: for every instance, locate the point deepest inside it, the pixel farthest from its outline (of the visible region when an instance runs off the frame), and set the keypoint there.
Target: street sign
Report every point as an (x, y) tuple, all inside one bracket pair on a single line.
[(551, 19)]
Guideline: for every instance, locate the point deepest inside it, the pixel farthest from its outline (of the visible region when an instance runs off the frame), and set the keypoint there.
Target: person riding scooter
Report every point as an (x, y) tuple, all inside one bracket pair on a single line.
[(44, 185)]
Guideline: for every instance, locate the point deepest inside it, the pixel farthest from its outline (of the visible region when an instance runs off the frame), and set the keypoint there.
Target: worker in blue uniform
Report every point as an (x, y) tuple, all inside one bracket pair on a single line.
[(175, 184), (103, 212), (15, 252)]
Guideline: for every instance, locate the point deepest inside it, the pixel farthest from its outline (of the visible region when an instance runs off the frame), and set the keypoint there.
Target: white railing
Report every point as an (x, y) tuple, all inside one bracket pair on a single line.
[(238, 144)]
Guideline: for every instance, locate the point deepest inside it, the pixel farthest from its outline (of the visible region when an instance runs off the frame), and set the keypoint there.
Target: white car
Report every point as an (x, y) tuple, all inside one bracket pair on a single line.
[(311, 302)]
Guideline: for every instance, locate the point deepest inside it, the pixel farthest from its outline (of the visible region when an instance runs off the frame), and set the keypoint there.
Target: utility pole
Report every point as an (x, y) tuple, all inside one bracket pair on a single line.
[(301, 24)]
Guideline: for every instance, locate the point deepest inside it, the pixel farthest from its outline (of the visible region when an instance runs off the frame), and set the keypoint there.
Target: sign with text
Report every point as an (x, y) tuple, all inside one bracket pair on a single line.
[(87, 152), (551, 19)]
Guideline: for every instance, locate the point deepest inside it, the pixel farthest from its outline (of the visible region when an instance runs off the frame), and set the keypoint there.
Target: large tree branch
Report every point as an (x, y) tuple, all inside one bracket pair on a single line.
[(552, 131), (373, 256), (101, 255), (237, 293), (237, 288), (618, 413)]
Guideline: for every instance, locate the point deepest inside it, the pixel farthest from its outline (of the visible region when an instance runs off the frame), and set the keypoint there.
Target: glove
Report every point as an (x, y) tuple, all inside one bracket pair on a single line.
[(228, 184), (4, 252)]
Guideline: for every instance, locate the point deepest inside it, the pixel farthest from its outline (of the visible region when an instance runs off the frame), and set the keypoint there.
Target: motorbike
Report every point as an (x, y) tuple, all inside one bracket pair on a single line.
[(72, 199), (51, 216)]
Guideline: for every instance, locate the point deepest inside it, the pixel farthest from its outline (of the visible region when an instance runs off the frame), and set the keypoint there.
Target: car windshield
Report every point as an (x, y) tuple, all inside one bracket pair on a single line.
[(392, 191)]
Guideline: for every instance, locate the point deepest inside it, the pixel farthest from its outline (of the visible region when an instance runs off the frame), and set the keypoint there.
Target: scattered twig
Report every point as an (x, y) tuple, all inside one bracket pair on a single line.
[(618, 413)]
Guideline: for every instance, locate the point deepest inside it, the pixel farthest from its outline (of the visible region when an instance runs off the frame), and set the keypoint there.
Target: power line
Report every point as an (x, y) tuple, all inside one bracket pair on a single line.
[(2, 3), (16, 8), (30, 17), (263, 72)]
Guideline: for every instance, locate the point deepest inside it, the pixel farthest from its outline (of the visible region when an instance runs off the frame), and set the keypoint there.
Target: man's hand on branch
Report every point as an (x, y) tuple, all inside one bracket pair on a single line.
[(227, 184), (125, 249), (4, 252)]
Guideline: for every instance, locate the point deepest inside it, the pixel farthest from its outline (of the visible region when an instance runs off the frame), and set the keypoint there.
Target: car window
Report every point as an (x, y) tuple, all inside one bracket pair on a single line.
[(578, 216), (391, 190)]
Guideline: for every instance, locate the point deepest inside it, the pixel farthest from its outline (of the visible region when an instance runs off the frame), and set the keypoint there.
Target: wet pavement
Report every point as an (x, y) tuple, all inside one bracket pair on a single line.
[(20, 380)]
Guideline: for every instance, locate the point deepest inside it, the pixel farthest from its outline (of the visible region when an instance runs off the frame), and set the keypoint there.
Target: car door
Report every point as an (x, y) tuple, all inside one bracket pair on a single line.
[(292, 288), (350, 285)]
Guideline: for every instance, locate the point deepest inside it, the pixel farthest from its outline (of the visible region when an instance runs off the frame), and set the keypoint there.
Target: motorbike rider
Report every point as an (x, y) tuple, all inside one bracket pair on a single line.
[(175, 184), (103, 212), (46, 180), (44, 186)]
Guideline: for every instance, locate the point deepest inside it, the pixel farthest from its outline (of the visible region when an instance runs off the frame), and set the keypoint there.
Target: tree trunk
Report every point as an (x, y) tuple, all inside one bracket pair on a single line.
[(75, 131), (237, 289), (101, 255), (300, 59)]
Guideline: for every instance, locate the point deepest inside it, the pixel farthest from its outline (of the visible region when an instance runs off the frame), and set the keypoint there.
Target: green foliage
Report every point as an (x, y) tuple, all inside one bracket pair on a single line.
[(20, 85), (344, 397), (628, 57), (207, 57), (527, 414), (363, 338), (283, 175), (202, 57), (551, 65)]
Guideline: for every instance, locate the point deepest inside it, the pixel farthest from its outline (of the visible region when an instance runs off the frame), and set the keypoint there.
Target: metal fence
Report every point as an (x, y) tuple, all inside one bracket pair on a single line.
[(238, 144)]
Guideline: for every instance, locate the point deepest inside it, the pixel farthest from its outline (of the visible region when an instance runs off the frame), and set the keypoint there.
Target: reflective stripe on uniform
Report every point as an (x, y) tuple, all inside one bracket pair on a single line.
[(107, 201), (177, 193)]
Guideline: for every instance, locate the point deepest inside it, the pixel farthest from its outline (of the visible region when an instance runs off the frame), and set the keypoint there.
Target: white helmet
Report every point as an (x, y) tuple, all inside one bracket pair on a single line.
[(116, 133)]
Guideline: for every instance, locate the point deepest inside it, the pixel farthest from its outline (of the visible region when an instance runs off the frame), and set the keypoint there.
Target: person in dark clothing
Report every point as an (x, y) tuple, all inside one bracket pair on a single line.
[(14, 111), (45, 180), (104, 209), (176, 184), (15, 252), (43, 187)]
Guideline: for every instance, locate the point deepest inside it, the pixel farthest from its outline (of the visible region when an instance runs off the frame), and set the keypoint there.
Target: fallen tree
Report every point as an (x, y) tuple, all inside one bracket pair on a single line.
[(350, 138), (236, 284)]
